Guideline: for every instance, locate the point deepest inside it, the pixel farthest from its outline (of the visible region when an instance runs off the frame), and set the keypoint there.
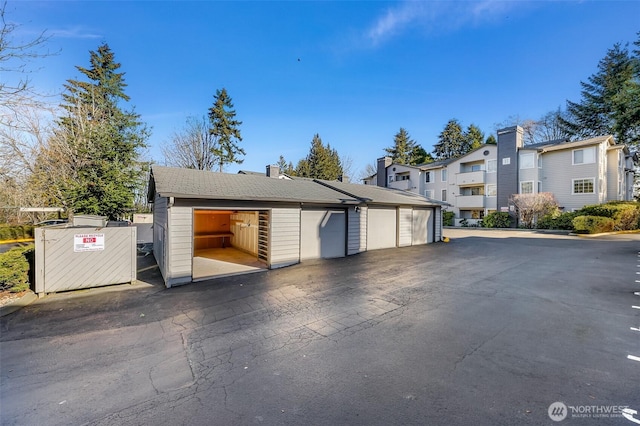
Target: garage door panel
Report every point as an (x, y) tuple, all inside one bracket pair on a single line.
[(422, 224), (323, 234), (381, 228)]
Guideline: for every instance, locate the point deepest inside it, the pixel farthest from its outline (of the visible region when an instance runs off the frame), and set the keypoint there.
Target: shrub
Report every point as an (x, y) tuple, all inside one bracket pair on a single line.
[(16, 232), (593, 224), (14, 269), (557, 221), (497, 220), (447, 218), (625, 214)]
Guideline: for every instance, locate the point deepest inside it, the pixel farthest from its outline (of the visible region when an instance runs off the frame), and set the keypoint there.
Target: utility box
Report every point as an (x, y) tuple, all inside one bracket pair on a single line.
[(83, 257)]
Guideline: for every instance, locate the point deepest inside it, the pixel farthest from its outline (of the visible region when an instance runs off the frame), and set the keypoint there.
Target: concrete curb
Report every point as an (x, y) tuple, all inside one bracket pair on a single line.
[(635, 231), (25, 300)]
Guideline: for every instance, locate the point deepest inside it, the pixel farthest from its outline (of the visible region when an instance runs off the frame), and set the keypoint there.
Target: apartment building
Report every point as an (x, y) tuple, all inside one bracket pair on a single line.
[(578, 173)]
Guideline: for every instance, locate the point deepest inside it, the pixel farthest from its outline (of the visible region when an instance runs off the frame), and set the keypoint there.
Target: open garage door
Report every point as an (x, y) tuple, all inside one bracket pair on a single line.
[(422, 229), (323, 233), (381, 228)]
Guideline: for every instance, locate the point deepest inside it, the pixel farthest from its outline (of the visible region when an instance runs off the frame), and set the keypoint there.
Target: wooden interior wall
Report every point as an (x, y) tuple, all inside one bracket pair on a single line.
[(210, 222), (244, 226)]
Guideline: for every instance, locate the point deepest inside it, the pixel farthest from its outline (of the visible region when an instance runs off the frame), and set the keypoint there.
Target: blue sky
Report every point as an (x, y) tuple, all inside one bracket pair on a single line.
[(352, 71)]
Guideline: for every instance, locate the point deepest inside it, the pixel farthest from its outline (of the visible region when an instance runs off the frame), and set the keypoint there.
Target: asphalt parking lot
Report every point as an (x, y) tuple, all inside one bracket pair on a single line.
[(491, 328)]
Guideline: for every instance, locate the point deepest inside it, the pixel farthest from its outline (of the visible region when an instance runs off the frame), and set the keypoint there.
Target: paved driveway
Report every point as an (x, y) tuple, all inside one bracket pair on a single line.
[(490, 328)]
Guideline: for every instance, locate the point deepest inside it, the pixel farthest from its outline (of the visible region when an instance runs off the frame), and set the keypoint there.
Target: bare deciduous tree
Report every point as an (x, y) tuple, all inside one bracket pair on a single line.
[(531, 207), (192, 147)]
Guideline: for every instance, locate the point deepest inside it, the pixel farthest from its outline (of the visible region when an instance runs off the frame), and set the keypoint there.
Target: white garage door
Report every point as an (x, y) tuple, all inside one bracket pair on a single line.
[(322, 234), (381, 228), (422, 227)]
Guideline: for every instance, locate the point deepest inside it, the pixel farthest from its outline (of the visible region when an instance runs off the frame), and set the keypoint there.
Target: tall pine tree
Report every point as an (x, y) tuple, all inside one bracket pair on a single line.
[(97, 143), (403, 146), (451, 141), (225, 129), (473, 138), (610, 100), (322, 162)]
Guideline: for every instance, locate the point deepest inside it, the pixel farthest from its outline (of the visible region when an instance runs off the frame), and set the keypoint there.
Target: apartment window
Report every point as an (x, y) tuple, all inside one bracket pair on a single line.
[(539, 187), (444, 195), (539, 161), (390, 178), (428, 193), (583, 186), (427, 177), (492, 190), (403, 177), (443, 175), (584, 156), (476, 167), (526, 187), (477, 190), (527, 160), (506, 161), (492, 166)]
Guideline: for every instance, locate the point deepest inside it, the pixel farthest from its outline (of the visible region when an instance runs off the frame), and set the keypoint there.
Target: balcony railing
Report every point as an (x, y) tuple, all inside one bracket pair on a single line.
[(401, 184), (470, 178), (470, 201)]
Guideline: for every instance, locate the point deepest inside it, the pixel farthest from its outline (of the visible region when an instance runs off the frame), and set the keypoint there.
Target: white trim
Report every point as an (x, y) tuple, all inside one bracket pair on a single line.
[(486, 190), (593, 185), (532, 187)]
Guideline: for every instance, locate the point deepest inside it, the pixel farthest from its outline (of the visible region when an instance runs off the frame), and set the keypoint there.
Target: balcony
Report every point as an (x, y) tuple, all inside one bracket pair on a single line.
[(404, 185), (471, 178), (470, 201)]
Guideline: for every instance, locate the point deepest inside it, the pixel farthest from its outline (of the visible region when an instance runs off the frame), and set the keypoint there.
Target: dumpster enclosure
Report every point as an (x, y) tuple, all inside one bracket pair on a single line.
[(71, 258)]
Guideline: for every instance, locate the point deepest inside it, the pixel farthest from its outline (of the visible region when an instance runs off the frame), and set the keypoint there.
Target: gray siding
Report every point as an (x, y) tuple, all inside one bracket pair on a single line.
[(612, 175), (180, 245), (509, 140), (437, 218), (404, 226), (284, 237), (357, 230), (557, 177)]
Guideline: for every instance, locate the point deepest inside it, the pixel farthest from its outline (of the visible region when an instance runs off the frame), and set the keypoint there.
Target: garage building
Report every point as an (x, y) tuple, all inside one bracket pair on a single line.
[(209, 224)]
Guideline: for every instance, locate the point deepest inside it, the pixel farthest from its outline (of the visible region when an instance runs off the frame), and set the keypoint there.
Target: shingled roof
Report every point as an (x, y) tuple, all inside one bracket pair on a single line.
[(200, 184)]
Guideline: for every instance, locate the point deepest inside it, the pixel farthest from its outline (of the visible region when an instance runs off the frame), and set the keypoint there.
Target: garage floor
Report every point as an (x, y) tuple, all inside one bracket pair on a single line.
[(217, 262)]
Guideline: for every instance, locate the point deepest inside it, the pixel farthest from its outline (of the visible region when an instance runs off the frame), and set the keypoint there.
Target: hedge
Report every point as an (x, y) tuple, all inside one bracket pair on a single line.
[(497, 220), (14, 269), (16, 232), (557, 221), (593, 224), (447, 218)]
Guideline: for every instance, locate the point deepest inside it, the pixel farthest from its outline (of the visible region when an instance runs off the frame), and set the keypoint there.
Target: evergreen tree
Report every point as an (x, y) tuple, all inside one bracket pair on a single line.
[(286, 168), (491, 140), (224, 128), (96, 143), (403, 148), (610, 100), (420, 156), (473, 138), (450, 141), (321, 162)]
